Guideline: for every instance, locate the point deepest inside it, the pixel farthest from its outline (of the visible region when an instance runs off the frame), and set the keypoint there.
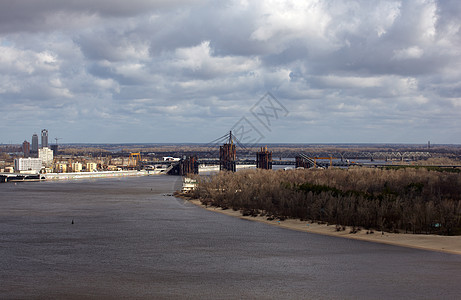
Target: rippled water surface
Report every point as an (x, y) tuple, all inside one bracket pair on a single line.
[(131, 240)]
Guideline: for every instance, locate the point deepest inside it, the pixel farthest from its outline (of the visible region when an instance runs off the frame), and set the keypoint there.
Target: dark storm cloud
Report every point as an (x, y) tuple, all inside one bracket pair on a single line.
[(39, 15)]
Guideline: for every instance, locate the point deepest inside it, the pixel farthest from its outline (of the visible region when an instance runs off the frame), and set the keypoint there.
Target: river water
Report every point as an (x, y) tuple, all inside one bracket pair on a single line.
[(130, 239)]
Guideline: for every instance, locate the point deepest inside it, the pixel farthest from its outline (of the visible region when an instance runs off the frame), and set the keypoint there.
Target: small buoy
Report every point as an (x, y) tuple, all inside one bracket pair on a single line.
[(72, 221)]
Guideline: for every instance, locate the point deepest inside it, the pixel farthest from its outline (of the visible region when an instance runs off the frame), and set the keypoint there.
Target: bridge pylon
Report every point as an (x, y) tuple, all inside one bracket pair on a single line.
[(227, 155)]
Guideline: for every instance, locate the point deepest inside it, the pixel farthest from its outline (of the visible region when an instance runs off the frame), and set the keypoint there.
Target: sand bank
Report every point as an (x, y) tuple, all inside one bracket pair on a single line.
[(448, 244)]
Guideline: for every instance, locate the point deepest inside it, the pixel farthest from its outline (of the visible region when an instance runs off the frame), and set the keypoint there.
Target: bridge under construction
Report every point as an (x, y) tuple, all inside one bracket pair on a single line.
[(226, 158)]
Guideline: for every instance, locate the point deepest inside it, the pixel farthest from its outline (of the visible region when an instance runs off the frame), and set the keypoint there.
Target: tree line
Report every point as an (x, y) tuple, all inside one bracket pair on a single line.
[(413, 200)]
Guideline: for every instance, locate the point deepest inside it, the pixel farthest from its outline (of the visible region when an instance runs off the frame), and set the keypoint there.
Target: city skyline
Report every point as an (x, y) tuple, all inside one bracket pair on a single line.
[(190, 71)]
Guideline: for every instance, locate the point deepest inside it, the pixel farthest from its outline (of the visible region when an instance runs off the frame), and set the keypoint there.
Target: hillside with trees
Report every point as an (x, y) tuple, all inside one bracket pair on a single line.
[(414, 200)]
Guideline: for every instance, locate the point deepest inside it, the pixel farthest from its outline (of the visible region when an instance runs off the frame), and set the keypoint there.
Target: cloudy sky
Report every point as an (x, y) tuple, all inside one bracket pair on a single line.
[(139, 71)]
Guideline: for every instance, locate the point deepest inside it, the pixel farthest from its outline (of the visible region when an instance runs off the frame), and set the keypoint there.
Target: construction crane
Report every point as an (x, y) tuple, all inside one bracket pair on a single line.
[(134, 159), (329, 158), (313, 160), (56, 138)]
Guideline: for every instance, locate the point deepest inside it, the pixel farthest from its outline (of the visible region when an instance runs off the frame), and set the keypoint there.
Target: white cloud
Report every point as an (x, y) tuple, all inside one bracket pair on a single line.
[(107, 84), (408, 53), (281, 19), (201, 58), (351, 82)]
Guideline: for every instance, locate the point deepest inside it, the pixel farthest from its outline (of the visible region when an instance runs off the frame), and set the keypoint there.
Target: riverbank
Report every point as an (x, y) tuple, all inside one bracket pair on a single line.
[(446, 244), (17, 177), (101, 174)]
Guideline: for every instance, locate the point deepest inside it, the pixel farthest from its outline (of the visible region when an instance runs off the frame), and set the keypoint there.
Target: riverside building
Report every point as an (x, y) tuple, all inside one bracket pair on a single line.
[(46, 155), (27, 164), (91, 167), (61, 168), (77, 167)]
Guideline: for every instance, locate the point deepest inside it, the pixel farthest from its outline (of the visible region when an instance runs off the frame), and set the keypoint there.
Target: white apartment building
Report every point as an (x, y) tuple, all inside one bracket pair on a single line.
[(27, 164), (46, 154)]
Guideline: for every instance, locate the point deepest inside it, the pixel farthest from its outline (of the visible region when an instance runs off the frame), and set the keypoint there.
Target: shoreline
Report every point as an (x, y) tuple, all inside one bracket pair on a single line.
[(18, 177), (438, 243)]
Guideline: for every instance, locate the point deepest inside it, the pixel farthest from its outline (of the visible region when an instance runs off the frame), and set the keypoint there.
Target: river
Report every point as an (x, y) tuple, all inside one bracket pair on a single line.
[(127, 238)]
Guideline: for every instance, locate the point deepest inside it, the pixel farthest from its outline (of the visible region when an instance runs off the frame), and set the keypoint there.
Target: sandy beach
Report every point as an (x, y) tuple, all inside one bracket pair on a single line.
[(447, 244)]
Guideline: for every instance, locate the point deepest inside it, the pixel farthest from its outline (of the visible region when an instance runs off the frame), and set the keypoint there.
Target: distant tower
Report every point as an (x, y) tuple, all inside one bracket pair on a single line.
[(54, 148), (44, 138), (34, 148), (26, 148), (227, 155), (429, 145), (264, 159)]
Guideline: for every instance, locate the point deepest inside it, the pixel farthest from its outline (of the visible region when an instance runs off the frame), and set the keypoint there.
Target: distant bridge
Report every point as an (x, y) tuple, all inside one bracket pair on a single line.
[(383, 155)]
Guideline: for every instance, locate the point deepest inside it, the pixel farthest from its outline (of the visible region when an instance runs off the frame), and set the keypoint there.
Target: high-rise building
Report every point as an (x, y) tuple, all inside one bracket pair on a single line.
[(46, 155), (44, 138), (34, 148), (54, 148), (26, 148)]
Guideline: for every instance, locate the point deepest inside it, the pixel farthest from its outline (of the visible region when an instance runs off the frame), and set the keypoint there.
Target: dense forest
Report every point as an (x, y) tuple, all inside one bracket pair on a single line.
[(415, 200)]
